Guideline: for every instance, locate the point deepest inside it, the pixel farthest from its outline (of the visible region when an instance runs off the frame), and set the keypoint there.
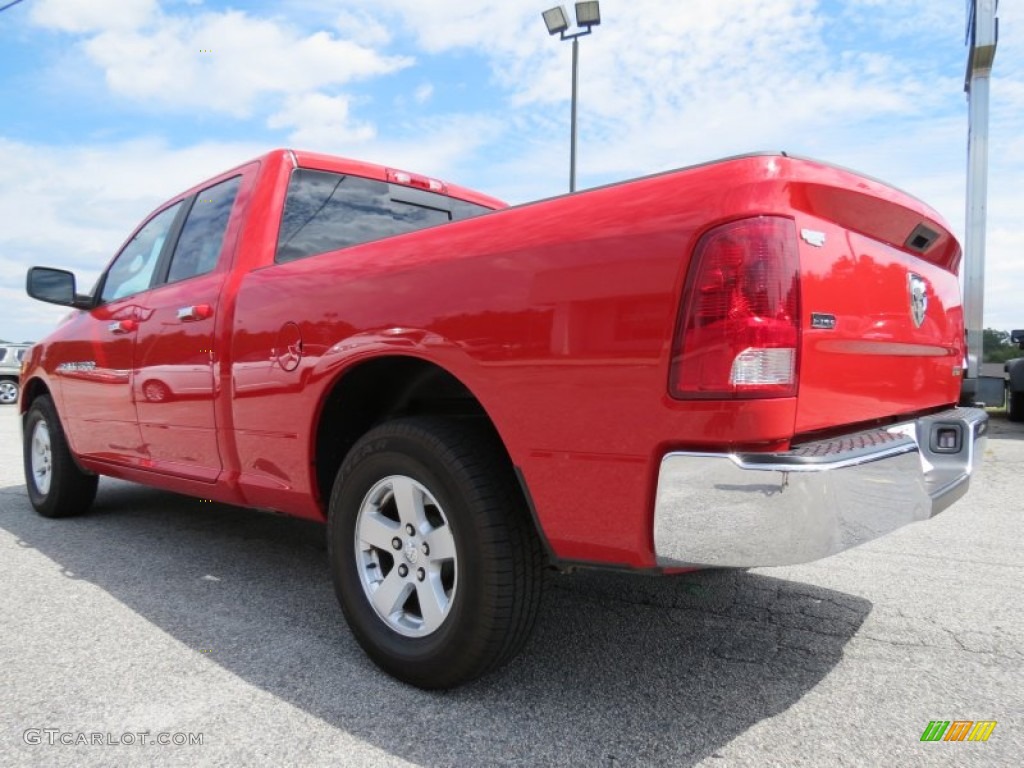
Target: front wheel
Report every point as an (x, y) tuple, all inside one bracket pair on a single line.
[(434, 560), (57, 487)]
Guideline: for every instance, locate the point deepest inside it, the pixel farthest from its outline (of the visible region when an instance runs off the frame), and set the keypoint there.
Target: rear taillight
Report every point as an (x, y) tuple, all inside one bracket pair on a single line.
[(739, 328)]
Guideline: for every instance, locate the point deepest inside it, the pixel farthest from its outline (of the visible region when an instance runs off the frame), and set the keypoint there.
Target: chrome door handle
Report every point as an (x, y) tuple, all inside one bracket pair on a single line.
[(121, 326), (195, 312)]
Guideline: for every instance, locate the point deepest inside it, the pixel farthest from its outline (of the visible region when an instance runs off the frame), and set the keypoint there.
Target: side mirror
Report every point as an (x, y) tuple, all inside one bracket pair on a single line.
[(1017, 337), (55, 286)]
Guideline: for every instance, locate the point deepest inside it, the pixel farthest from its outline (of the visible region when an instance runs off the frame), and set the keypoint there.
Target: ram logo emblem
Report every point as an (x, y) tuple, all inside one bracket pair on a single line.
[(918, 298)]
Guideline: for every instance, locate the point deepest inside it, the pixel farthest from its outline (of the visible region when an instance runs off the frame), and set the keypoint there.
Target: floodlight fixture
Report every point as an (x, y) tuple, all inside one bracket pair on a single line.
[(556, 20), (588, 14)]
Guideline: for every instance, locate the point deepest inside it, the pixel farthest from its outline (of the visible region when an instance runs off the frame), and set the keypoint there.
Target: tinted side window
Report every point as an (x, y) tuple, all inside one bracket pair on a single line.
[(132, 270), (202, 237), (326, 211)]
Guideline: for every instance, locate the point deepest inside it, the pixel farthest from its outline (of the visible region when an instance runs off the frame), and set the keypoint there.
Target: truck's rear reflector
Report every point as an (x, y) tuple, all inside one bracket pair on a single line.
[(739, 328)]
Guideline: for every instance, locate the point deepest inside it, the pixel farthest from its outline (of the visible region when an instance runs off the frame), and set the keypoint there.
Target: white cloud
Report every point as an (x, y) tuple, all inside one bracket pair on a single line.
[(362, 28), (902, 19), (442, 25), (424, 93), (94, 15), (226, 62), (317, 120), (1004, 273)]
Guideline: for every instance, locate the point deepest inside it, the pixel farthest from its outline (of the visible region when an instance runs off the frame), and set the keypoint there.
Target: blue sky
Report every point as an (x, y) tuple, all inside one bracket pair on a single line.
[(112, 106)]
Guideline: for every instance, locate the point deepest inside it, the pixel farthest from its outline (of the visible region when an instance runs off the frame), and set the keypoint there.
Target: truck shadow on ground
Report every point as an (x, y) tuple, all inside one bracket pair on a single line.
[(621, 669)]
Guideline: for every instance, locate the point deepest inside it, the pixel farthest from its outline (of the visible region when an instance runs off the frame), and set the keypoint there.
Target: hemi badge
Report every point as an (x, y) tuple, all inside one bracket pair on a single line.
[(821, 321), (813, 237)]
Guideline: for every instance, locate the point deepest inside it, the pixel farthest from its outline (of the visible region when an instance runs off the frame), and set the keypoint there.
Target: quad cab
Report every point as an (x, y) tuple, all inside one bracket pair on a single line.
[(751, 362)]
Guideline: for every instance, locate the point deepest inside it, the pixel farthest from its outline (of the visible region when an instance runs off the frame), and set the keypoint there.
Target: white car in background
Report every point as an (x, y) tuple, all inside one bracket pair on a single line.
[(11, 356)]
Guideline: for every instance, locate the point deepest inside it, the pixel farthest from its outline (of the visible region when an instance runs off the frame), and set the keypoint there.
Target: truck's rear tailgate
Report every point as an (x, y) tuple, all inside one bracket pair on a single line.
[(883, 321)]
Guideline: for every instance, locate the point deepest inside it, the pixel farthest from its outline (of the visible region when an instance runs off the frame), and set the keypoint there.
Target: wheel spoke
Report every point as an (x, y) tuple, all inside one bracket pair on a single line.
[(391, 594), (441, 544), (411, 548), (433, 602), (377, 531), (41, 460), (409, 500)]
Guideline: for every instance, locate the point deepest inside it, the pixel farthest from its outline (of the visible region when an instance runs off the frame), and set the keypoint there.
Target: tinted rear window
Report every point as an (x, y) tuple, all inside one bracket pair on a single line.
[(327, 211)]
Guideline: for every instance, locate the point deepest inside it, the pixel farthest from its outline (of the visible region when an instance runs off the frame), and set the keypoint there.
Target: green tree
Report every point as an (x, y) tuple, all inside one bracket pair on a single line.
[(997, 347)]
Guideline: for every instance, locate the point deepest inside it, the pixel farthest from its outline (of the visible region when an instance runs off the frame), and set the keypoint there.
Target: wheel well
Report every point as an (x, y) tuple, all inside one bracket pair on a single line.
[(33, 388), (379, 390)]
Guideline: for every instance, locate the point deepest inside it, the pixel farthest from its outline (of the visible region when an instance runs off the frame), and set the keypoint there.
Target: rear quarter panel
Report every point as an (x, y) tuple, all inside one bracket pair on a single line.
[(558, 316)]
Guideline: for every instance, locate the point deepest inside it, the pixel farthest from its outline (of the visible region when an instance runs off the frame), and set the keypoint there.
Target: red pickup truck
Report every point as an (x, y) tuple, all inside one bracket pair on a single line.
[(746, 363)]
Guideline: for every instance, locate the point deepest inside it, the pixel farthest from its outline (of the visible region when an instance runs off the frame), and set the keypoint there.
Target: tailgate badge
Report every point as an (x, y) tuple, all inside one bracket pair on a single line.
[(918, 298), (813, 237), (823, 322)]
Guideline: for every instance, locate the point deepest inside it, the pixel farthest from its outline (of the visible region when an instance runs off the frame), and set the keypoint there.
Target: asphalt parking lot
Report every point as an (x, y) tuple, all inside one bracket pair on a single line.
[(158, 614)]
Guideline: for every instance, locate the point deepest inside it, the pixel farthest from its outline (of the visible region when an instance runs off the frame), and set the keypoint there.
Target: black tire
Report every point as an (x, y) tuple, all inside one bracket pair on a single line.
[(495, 577), (70, 491), (1015, 406)]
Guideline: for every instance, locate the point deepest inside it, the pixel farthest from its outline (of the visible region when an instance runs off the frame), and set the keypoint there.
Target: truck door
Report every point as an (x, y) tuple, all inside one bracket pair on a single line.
[(176, 357), (96, 375)]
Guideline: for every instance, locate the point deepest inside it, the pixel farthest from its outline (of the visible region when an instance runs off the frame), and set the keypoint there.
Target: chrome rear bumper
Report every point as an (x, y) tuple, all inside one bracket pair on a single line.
[(751, 509)]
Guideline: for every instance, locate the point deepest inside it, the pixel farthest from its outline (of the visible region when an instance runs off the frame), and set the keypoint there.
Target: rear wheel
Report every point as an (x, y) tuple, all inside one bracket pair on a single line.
[(435, 563), (8, 391), (156, 391), (57, 487), (1015, 406)]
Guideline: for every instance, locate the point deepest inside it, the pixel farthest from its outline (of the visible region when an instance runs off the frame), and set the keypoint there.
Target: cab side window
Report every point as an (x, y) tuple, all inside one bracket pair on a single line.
[(202, 236), (132, 270), (327, 211)]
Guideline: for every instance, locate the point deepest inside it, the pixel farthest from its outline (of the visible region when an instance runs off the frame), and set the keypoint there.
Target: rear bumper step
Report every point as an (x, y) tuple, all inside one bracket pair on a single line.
[(754, 509)]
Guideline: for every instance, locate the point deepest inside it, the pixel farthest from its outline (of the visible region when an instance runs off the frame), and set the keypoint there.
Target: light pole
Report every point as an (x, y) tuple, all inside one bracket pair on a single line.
[(982, 37), (588, 15)]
